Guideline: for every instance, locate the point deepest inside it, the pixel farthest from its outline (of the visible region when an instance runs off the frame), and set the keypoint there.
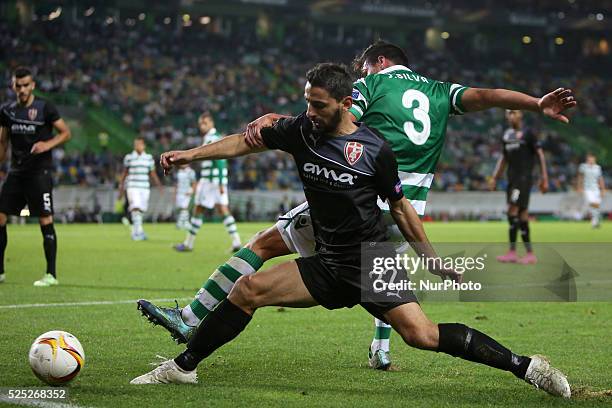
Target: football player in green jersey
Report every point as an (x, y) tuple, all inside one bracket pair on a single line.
[(411, 113)]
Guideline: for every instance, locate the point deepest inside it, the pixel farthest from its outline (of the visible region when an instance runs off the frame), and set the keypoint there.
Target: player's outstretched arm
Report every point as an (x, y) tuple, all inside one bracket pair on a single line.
[(225, 148), (412, 229), (552, 104)]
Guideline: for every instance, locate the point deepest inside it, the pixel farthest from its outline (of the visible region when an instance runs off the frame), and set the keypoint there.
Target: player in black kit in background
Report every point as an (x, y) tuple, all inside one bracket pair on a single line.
[(342, 188), (520, 149), (27, 124)]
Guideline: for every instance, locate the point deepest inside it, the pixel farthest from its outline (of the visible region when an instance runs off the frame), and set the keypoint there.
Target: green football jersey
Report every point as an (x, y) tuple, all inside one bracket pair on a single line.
[(411, 112), (214, 171)]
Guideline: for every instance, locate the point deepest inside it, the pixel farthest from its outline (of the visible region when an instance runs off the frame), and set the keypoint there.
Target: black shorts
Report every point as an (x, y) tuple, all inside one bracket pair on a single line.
[(518, 192), (33, 189), (335, 287)]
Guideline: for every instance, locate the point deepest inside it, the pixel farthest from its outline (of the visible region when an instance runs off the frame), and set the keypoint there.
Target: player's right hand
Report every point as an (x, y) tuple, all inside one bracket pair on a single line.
[(173, 158), (253, 131)]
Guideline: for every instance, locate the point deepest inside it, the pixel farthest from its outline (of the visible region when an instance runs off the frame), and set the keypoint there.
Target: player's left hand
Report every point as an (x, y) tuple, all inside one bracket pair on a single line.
[(554, 103), (39, 147), (543, 186), (173, 158)]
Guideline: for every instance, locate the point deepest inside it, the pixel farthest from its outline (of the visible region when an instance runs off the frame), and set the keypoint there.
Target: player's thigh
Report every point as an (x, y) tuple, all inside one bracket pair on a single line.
[(281, 285), (268, 244), (413, 325), (12, 196), (39, 194), (295, 228)]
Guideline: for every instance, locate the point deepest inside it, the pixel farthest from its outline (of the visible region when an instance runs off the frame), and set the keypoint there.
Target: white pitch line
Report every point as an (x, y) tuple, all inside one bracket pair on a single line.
[(92, 303), (37, 403)]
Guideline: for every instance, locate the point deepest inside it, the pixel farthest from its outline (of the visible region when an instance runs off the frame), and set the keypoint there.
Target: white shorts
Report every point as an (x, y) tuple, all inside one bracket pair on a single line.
[(182, 200), (592, 196), (207, 195), (295, 227), (138, 198)]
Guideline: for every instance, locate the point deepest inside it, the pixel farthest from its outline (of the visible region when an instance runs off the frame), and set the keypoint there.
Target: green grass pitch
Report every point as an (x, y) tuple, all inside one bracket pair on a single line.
[(293, 358)]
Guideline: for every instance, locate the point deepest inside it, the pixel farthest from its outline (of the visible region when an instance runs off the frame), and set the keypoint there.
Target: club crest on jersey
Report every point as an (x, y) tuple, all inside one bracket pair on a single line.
[(353, 152), (32, 113)]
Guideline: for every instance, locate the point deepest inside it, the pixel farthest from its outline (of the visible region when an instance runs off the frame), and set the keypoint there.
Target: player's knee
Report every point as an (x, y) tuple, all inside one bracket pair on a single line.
[(422, 336), (267, 244), (247, 292), (43, 220)]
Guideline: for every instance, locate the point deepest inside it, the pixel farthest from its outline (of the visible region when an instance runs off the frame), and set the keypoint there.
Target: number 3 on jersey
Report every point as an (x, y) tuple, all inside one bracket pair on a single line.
[(418, 114)]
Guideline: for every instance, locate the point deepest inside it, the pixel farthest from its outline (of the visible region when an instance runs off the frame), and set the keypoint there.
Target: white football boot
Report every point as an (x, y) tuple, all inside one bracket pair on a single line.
[(167, 372), (542, 375)]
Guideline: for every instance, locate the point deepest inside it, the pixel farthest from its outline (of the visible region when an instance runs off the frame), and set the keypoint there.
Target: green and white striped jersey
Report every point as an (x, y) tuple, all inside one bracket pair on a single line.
[(591, 174), (214, 171), (411, 112), (138, 166)]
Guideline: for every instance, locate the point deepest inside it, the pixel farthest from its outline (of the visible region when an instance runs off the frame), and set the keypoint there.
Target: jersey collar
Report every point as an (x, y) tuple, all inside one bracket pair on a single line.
[(211, 132), (394, 68)]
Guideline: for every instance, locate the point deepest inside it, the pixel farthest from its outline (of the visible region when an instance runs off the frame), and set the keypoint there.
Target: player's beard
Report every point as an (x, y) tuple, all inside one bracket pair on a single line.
[(332, 125)]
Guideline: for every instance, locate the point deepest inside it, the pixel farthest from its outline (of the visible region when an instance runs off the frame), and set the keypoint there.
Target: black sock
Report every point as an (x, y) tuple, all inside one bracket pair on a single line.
[(524, 225), (219, 327), (458, 340), (50, 246), (3, 242), (513, 220)]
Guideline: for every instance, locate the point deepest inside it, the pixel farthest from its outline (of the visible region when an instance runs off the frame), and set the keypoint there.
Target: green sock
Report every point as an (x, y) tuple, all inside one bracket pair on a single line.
[(382, 334), (217, 287)]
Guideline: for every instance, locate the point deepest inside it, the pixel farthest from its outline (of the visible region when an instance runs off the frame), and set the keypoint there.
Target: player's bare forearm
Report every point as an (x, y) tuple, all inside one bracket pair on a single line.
[(602, 185), (122, 181), (477, 99), (62, 136), (499, 168), (3, 143), (553, 104), (225, 148), (155, 179), (543, 168), (411, 227), (579, 183)]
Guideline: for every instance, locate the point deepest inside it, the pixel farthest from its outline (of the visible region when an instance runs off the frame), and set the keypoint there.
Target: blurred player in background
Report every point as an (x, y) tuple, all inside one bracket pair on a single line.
[(520, 150), (411, 113), (139, 166), (185, 186), (591, 184), (211, 191), (28, 124)]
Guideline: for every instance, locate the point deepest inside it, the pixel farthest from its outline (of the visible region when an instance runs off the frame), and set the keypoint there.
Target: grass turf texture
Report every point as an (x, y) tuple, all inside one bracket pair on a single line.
[(297, 358)]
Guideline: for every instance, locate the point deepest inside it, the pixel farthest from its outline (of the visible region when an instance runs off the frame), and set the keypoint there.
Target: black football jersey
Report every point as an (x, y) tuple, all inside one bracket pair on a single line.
[(519, 149), (342, 178), (26, 126)]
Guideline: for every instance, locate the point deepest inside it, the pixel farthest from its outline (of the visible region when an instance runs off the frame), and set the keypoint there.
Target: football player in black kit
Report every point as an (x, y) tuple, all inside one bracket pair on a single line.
[(520, 150), (28, 124), (342, 190)]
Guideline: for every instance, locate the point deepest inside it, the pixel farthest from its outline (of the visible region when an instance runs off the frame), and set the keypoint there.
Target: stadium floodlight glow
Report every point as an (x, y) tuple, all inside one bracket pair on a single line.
[(445, 35), (526, 39), (109, 20), (186, 18), (142, 16), (559, 40), (55, 14), (89, 11), (167, 20), (599, 17), (204, 20)]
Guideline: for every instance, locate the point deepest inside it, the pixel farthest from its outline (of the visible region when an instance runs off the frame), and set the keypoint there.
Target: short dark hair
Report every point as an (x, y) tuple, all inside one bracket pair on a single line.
[(22, 72), (206, 114), (377, 49), (334, 78), (140, 138)]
